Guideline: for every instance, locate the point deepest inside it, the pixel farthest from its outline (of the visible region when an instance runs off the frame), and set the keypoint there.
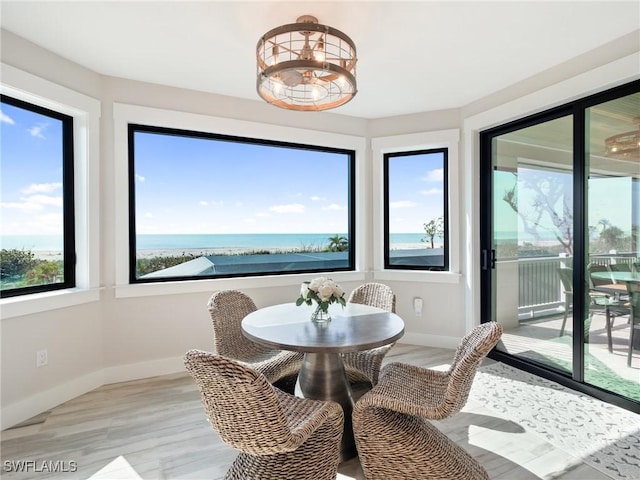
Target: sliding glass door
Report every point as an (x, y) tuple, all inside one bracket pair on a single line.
[(560, 212)]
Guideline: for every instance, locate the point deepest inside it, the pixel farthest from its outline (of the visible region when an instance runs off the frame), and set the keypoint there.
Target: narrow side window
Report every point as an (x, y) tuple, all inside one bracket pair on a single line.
[(415, 210), (36, 200)]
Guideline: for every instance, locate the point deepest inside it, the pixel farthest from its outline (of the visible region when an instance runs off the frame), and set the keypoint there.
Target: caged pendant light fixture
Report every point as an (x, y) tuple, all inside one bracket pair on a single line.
[(306, 66), (624, 146)]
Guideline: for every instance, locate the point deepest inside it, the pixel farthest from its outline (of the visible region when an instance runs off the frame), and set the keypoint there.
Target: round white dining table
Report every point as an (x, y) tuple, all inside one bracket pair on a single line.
[(322, 376)]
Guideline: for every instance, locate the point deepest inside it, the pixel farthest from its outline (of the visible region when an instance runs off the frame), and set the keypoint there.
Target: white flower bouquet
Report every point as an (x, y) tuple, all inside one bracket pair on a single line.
[(323, 291)]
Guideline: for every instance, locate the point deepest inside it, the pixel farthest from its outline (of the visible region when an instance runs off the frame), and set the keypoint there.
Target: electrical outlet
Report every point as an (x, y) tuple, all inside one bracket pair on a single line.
[(42, 358), (417, 306)]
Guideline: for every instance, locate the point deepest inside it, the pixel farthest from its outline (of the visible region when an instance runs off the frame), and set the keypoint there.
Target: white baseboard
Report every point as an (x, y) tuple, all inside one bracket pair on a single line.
[(15, 413), (20, 411), (136, 371), (41, 402), (425, 340)]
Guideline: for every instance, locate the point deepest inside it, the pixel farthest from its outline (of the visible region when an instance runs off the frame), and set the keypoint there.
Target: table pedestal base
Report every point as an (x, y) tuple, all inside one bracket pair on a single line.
[(322, 377)]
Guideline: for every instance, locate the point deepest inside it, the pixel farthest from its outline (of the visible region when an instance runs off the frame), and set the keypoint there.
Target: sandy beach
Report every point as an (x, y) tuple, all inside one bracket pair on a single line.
[(167, 252), (198, 252)]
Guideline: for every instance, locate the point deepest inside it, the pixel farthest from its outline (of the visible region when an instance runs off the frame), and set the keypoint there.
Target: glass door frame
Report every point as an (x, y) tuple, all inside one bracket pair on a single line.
[(577, 109)]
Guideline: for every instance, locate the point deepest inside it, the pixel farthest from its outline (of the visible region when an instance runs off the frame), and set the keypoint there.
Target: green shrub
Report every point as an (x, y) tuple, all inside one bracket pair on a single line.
[(14, 262)]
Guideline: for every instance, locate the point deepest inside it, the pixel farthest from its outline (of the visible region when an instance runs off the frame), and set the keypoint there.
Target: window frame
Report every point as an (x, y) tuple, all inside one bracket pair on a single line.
[(68, 204), (124, 114), (387, 210), (134, 128), (429, 140), (86, 112)]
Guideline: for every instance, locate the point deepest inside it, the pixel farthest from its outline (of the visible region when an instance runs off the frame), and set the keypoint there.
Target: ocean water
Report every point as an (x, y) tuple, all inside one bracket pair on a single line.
[(156, 242)]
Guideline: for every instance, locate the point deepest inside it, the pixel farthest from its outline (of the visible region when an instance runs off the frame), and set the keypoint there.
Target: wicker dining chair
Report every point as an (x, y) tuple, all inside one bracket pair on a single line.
[(364, 366), (436, 394), (391, 424), (398, 446), (227, 309), (279, 435)]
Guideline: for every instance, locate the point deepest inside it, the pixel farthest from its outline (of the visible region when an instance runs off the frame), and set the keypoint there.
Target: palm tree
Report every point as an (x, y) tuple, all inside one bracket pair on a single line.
[(338, 243)]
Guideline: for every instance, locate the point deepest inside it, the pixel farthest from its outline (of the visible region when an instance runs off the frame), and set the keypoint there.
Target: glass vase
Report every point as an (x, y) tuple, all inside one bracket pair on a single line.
[(319, 316)]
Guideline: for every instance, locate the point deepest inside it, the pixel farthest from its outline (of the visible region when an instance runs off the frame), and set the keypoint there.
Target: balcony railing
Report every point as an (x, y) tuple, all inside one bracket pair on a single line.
[(540, 290)]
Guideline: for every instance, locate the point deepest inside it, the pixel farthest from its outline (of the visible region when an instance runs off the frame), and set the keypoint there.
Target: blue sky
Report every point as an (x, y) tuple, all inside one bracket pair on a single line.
[(31, 156), (415, 191), (189, 186), (186, 185)]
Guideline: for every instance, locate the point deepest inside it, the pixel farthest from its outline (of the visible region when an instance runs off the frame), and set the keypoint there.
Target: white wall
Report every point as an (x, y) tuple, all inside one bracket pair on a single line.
[(137, 333)]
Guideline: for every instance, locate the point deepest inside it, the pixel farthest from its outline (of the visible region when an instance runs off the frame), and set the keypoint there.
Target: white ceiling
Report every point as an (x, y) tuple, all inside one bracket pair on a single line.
[(412, 56)]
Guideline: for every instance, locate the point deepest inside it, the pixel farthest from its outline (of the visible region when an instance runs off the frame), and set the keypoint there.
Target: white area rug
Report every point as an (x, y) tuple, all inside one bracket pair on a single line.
[(604, 436)]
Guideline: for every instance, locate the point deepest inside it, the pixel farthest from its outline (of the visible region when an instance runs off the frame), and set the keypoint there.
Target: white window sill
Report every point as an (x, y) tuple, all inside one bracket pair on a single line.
[(419, 276), (42, 302), (196, 286)]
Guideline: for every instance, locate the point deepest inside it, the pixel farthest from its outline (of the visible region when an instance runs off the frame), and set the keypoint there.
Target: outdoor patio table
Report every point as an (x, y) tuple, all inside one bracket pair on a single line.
[(620, 278), (322, 376)]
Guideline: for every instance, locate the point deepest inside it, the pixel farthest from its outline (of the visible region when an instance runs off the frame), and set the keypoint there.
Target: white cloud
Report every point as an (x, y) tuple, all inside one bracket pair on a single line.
[(334, 207), (4, 118), (211, 203), (436, 175), (290, 208), (38, 130), (24, 206), (148, 215), (139, 178), (432, 191), (42, 188), (316, 198), (33, 203), (403, 204), (45, 200), (263, 214)]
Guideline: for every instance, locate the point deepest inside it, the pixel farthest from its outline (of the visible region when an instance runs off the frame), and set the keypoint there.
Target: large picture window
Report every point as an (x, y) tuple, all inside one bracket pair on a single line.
[(204, 205), (38, 246), (416, 225)]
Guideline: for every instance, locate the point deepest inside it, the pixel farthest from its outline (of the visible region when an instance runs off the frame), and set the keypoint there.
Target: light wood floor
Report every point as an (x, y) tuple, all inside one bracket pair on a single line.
[(156, 429)]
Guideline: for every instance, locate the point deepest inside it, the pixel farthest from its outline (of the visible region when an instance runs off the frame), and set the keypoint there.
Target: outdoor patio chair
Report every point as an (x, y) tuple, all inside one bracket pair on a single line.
[(596, 301), (620, 267), (364, 366), (634, 324), (277, 433), (598, 282), (227, 309)]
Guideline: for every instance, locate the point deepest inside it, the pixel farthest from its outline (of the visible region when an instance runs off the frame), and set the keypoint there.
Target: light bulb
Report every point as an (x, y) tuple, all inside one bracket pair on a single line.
[(277, 88), (320, 55)]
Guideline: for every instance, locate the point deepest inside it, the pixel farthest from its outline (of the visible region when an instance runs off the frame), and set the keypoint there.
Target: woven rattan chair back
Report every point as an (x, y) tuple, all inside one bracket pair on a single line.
[(240, 403), (279, 435), (473, 348), (374, 294), (364, 367), (227, 309)]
